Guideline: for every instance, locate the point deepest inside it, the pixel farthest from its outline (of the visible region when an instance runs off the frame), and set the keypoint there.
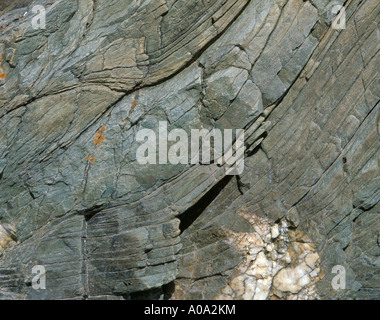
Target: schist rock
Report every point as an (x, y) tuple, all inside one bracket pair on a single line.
[(299, 77)]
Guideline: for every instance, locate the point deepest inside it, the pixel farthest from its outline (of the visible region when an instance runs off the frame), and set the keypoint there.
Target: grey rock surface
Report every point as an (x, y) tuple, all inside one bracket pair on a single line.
[(74, 198)]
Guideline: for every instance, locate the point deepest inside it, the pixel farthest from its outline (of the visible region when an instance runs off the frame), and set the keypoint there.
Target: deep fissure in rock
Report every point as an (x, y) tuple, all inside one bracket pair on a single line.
[(190, 215)]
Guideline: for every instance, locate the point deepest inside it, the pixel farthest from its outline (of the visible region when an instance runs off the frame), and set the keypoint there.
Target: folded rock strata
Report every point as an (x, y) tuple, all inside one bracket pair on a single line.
[(74, 95)]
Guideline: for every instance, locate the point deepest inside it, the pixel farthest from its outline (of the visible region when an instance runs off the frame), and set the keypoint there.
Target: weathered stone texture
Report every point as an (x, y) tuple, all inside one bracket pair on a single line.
[(74, 199)]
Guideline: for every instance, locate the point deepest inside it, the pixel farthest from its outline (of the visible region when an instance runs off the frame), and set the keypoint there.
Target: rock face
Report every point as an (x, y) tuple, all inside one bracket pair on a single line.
[(75, 199)]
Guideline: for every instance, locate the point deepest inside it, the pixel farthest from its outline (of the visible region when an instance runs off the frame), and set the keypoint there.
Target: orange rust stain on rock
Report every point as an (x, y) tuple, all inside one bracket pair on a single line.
[(92, 160), (3, 74), (134, 103), (133, 106), (99, 137)]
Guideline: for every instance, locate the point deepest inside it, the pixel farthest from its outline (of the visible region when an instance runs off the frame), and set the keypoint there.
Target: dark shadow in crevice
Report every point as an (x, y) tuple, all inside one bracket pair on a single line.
[(163, 293), (89, 213), (190, 215), (168, 290), (150, 294)]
